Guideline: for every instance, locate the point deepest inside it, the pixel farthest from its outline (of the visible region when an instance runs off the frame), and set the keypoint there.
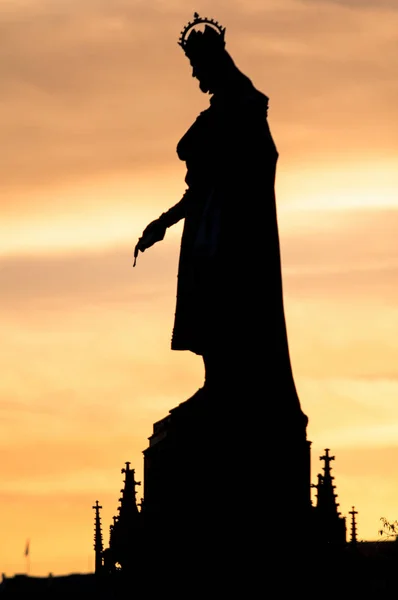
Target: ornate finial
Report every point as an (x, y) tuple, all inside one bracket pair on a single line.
[(213, 31)]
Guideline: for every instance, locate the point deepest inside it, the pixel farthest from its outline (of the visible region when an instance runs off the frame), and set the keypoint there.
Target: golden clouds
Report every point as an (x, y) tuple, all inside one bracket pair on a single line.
[(86, 215), (82, 83)]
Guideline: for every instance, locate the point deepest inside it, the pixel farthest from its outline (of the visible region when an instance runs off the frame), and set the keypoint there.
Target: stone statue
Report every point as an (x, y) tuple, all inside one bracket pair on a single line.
[(229, 307)]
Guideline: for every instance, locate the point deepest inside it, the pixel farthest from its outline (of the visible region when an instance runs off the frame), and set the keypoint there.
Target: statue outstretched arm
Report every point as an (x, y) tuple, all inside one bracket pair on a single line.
[(176, 212), (156, 230)]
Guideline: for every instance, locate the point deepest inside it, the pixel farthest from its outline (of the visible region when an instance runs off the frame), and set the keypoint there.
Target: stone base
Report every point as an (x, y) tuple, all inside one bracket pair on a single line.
[(224, 493)]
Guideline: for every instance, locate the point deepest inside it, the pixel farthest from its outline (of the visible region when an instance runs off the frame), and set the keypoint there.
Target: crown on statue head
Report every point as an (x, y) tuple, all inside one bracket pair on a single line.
[(199, 44)]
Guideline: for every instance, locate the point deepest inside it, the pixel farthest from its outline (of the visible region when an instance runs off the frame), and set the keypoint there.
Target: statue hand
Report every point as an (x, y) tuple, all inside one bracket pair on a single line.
[(153, 233)]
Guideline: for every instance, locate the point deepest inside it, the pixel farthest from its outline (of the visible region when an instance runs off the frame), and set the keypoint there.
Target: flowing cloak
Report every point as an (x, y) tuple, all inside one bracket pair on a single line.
[(229, 288)]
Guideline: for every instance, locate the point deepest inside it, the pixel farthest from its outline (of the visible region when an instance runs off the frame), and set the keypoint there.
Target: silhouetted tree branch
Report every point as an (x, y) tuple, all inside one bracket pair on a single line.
[(389, 529)]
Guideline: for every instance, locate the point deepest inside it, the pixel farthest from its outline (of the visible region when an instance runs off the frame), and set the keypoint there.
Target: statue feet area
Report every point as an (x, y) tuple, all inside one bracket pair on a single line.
[(245, 406)]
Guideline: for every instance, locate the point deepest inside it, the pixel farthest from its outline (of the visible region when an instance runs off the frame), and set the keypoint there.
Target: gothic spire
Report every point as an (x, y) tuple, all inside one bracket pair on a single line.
[(353, 540), (128, 503), (98, 544), (326, 496), (331, 525), (124, 538)]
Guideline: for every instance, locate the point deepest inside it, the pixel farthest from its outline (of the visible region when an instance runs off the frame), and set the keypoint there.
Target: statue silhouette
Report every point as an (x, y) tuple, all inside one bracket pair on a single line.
[(229, 306)]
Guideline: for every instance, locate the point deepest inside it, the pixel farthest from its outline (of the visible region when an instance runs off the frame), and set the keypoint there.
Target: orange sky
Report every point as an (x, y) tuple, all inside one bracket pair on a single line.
[(94, 97)]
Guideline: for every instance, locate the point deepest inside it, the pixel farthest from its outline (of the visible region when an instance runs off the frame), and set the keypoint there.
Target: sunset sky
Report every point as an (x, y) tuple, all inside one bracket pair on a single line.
[(94, 96)]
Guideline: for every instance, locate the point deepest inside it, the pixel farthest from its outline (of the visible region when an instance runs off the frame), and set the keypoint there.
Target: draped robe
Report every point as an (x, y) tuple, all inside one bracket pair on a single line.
[(229, 288)]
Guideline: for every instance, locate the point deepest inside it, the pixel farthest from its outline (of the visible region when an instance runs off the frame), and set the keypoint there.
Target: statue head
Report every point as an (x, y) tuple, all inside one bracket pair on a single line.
[(205, 50)]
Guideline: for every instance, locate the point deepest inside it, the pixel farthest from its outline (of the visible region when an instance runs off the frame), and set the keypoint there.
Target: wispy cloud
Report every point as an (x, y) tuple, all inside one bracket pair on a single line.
[(81, 83)]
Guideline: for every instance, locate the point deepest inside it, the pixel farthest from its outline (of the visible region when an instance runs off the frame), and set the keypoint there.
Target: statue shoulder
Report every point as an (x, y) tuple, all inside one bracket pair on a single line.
[(254, 102), (243, 101)]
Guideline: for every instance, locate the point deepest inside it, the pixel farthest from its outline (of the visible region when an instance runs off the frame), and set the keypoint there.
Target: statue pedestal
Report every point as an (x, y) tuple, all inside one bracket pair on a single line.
[(226, 498)]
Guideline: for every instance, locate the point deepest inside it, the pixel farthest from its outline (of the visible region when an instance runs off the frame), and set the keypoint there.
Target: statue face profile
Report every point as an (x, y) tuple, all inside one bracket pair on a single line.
[(205, 77), (204, 50)]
